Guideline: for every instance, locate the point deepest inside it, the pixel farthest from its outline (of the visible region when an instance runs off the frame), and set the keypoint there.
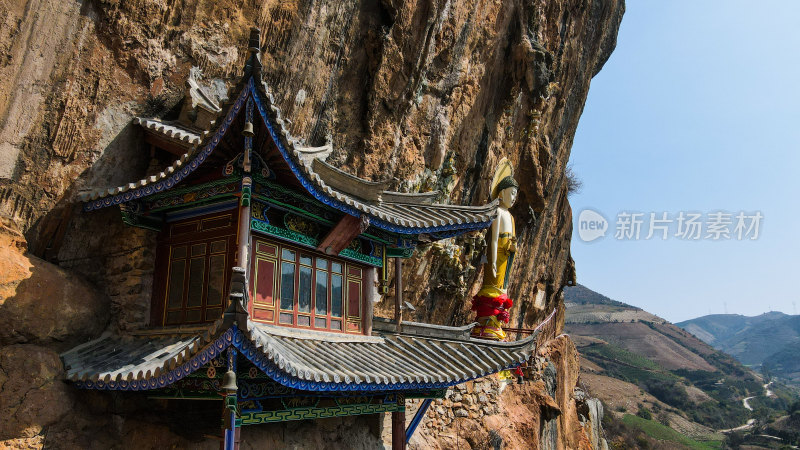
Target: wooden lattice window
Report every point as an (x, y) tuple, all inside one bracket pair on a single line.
[(195, 285), (300, 288), (193, 271)]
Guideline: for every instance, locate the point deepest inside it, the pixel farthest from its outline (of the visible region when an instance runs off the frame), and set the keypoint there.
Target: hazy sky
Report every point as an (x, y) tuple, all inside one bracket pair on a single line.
[(696, 111)]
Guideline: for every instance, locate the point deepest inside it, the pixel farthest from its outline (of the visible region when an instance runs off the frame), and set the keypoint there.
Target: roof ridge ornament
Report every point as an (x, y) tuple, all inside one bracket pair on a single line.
[(253, 65)]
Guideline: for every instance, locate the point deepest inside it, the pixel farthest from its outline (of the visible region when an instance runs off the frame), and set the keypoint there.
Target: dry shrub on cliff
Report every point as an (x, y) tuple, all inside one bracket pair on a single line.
[(574, 184)]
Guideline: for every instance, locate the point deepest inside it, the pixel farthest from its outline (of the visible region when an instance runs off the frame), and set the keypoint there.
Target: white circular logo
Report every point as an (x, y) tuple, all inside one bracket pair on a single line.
[(591, 225)]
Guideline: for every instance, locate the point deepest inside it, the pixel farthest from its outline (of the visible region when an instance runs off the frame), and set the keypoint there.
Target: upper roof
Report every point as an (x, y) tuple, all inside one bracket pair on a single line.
[(421, 356), (409, 213), (172, 130)]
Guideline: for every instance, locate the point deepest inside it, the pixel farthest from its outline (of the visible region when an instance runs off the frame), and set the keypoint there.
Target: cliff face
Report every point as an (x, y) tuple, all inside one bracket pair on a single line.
[(430, 94)]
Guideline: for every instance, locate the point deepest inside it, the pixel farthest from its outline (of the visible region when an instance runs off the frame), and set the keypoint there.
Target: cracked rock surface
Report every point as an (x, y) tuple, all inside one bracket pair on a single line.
[(428, 95)]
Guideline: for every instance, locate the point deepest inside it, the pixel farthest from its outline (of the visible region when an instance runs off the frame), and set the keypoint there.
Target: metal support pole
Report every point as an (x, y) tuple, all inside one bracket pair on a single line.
[(423, 408), (399, 430), (398, 292)]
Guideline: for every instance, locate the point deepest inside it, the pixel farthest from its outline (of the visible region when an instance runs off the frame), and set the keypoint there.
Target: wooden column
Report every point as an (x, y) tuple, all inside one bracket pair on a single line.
[(348, 228), (398, 430), (398, 291), (243, 241), (244, 237), (370, 278)]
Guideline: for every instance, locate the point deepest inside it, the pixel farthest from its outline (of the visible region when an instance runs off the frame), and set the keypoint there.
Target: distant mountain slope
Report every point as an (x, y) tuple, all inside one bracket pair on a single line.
[(785, 363), (752, 340), (582, 295), (646, 340), (722, 327), (587, 306), (638, 363)]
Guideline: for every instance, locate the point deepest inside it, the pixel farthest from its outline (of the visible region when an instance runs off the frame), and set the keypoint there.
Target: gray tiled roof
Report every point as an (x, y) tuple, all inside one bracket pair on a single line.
[(341, 362), (411, 210), (136, 356), (172, 130)]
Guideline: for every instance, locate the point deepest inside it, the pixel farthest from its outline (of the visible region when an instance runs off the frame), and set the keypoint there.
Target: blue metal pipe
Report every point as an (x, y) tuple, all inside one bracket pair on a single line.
[(423, 408)]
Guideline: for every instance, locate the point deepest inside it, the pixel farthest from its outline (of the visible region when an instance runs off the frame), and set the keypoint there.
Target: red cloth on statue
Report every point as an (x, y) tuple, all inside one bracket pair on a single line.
[(493, 306)]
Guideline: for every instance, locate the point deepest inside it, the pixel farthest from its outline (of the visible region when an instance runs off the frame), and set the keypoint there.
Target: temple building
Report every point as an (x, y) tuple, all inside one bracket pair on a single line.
[(269, 262)]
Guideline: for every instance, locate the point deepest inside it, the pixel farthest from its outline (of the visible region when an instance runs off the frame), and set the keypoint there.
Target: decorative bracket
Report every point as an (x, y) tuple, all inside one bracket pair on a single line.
[(348, 228)]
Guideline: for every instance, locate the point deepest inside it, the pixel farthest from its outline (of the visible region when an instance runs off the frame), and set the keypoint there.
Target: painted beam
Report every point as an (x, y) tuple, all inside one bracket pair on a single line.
[(255, 418), (348, 228)]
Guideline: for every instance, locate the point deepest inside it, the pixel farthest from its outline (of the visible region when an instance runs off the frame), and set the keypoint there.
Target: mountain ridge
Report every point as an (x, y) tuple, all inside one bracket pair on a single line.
[(751, 339), (654, 376), (771, 339)]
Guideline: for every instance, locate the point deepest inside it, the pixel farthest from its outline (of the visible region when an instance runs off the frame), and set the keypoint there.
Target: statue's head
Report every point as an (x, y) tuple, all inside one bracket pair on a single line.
[(504, 186), (507, 191)]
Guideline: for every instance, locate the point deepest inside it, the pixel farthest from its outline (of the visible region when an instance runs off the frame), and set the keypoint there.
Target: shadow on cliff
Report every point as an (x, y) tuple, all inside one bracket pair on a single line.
[(41, 303)]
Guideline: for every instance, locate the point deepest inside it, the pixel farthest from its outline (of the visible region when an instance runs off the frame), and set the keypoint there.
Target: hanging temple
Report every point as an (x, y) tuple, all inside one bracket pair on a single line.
[(268, 263)]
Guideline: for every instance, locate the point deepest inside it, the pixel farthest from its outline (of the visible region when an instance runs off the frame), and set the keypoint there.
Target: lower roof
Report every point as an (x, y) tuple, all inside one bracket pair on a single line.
[(312, 361)]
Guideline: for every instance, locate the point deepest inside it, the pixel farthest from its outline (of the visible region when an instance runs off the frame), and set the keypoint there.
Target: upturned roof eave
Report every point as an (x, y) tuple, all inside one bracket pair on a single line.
[(405, 214), (283, 355)]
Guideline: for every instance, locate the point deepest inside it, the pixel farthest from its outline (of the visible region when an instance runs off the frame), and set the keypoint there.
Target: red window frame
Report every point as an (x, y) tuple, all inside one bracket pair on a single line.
[(268, 284)]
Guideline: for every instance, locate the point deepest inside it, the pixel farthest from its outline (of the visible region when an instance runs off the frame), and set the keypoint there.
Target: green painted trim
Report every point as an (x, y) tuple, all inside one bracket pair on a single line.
[(438, 393), (197, 187), (293, 209), (255, 418), (194, 204), (138, 221), (261, 180), (352, 254), (372, 237), (190, 396), (399, 252), (283, 233), (245, 200), (299, 238)]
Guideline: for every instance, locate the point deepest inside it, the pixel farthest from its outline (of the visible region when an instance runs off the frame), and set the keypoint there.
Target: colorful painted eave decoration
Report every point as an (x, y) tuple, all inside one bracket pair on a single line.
[(182, 169), (178, 173), (278, 368)]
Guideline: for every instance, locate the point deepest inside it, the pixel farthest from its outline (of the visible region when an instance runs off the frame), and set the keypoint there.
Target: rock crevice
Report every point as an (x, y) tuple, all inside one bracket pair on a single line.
[(425, 94)]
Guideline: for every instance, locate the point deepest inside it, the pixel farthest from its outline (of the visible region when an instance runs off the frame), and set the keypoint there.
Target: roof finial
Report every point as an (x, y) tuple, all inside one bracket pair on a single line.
[(253, 66), (255, 39)]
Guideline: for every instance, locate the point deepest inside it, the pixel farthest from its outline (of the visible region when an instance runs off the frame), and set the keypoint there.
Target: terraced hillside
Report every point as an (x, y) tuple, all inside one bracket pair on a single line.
[(659, 381)]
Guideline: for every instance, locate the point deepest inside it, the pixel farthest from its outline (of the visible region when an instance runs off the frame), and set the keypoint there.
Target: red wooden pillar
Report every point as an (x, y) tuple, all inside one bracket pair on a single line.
[(399, 430)]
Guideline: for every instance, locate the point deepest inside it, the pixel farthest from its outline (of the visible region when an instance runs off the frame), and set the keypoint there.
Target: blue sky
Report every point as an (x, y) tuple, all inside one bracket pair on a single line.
[(696, 110)]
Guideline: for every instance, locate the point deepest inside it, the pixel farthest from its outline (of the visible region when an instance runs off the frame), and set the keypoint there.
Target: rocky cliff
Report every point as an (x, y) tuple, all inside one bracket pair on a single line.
[(428, 94)]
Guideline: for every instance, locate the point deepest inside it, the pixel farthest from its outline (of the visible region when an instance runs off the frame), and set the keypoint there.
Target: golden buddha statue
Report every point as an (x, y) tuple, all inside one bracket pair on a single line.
[(491, 303)]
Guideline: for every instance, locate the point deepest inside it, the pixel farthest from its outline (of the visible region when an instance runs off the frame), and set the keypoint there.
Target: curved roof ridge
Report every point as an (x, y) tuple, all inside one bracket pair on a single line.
[(401, 213), (397, 219)]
